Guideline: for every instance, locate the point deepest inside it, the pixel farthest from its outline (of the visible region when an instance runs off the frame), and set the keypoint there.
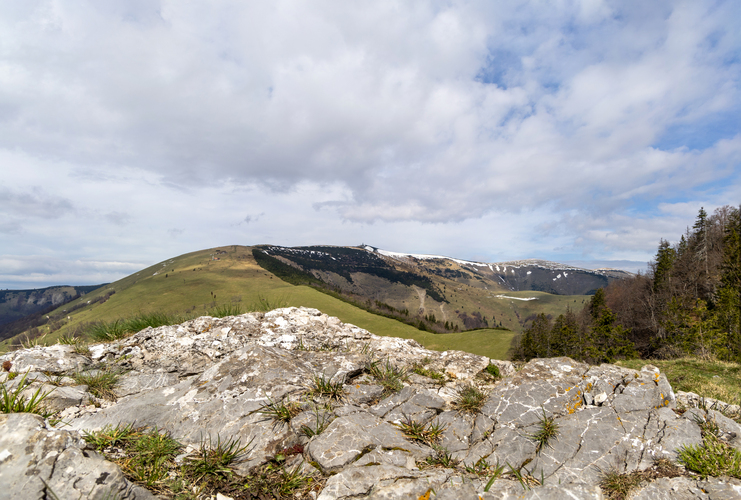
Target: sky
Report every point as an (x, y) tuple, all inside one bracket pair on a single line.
[(576, 131)]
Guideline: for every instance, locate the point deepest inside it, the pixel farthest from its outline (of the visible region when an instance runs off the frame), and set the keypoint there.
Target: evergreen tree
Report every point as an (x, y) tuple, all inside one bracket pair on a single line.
[(701, 241), (728, 304), (535, 342), (662, 267), (608, 341), (565, 339)]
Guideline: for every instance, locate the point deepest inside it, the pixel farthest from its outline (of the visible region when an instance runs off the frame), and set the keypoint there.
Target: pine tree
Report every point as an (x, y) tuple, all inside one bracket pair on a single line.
[(701, 240), (565, 339), (608, 341), (664, 261), (728, 304)]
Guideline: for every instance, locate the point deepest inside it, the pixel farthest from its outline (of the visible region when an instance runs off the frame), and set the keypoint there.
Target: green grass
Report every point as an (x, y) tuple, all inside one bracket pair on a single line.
[(12, 401), (282, 411), (713, 457), (711, 379), (147, 456), (110, 436), (546, 433), (99, 384), (493, 370), (437, 376), (214, 460), (429, 433), (323, 387), (225, 310), (388, 375), (617, 486), (274, 480), (321, 422), (442, 458), (469, 399)]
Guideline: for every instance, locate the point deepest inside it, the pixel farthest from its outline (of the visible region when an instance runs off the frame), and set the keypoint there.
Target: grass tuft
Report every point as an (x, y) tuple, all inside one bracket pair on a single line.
[(68, 339), (265, 304), (274, 480), (429, 433), (470, 399), (279, 410), (442, 458), (110, 436), (13, 402), (618, 486), (390, 377), (713, 457), (323, 387), (547, 432), (321, 422), (120, 328), (225, 310), (99, 384), (214, 460)]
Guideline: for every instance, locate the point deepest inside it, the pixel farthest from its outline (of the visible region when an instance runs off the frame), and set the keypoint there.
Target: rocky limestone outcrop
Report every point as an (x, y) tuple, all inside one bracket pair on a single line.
[(211, 377)]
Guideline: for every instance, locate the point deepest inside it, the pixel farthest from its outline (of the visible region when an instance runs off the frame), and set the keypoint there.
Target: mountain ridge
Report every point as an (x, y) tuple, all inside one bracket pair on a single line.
[(438, 295)]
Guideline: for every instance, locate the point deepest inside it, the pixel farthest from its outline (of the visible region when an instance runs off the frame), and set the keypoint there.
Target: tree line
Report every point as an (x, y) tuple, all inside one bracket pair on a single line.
[(687, 303)]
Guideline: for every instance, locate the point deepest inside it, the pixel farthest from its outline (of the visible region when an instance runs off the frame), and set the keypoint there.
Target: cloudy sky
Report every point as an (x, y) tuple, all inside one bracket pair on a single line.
[(135, 131)]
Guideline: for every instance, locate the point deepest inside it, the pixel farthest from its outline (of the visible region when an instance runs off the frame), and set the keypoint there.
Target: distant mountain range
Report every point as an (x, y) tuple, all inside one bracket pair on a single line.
[(15, 304), (327, 263), (459, 293), (433, 293)]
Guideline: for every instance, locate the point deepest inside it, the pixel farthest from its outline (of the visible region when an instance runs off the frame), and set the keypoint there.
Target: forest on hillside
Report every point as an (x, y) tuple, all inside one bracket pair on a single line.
[(687, 303)]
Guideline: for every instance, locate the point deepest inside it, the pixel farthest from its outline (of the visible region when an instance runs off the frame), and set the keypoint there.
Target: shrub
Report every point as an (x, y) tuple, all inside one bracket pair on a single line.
[(493, 370)]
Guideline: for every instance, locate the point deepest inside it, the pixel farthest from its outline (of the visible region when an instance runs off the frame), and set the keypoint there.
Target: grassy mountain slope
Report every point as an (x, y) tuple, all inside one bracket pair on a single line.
[(458, 295), (193, 283)]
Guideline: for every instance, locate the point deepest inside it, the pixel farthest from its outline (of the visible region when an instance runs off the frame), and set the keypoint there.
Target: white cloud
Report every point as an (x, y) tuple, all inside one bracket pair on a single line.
[(152, 128)]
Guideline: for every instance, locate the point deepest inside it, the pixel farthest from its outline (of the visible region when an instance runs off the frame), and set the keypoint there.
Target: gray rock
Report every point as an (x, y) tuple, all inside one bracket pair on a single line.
[(36, 461), (60, 398), (226, 378), (348, 438), (363, 393), (382, 482), (57, 359), (132, 383)]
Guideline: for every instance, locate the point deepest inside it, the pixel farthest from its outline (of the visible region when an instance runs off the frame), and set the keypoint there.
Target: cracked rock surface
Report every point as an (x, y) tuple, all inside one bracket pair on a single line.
[(211, 376)]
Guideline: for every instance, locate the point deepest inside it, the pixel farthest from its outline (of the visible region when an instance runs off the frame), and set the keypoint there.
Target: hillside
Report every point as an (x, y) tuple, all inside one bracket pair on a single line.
[(438, 291), (448, 294)]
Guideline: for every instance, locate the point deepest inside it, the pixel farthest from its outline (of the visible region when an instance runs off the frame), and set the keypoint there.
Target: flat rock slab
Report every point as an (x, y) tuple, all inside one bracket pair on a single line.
[(347, 438)]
